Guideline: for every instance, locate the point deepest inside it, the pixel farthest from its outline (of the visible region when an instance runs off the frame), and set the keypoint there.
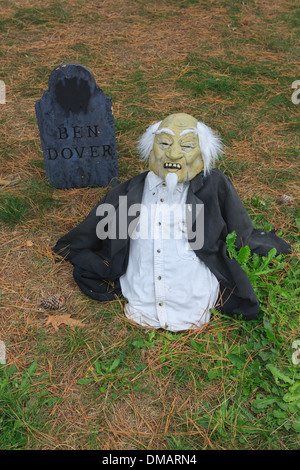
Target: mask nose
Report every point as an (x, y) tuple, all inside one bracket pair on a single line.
[(174, 152)]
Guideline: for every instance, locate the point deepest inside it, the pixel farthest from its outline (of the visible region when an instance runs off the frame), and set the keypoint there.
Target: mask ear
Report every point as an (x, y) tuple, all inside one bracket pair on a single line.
[(145, 143), (152, 163)]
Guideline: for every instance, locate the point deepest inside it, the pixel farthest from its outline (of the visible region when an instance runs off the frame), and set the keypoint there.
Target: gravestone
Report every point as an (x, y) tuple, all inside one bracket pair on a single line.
[(77, 132)]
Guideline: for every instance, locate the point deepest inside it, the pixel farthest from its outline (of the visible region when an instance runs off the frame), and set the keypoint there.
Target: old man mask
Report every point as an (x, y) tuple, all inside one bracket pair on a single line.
[(180, 145)]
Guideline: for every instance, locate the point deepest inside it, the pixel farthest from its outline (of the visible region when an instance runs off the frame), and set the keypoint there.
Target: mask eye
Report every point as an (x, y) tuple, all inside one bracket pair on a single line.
[(187, 147), (165, 144)]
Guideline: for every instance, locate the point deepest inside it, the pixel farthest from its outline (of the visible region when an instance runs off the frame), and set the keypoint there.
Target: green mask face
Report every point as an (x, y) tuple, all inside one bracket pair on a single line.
[(176, 148)]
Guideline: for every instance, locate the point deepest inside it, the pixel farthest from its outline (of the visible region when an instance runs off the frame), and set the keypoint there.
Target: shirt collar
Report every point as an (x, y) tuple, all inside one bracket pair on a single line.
[(155, 180)]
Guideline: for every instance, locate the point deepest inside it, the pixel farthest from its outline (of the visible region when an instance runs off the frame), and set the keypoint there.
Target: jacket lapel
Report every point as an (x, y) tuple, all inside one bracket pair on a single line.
[(195, 213), (127, 212)]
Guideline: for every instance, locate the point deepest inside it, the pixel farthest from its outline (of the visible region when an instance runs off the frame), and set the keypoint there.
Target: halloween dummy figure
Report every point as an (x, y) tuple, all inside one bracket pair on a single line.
[(170, 279)]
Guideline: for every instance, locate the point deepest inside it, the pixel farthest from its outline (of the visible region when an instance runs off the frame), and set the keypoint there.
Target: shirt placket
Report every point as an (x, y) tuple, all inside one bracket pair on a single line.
[(159, 255)]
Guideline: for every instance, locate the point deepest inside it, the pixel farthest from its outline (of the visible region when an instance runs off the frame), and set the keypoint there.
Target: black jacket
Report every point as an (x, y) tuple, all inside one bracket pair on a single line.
[(98, 264)]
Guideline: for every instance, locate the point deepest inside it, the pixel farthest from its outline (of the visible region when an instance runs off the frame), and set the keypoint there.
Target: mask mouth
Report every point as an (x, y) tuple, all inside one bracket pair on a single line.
[(172, 166)]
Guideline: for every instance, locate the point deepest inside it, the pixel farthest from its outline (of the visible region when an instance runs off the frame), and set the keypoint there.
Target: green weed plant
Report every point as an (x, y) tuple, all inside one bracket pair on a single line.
[(21, 395)]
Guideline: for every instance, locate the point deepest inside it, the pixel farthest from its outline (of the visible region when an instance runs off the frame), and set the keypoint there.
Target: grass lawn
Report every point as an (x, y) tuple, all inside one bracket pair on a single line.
[(104, 383)]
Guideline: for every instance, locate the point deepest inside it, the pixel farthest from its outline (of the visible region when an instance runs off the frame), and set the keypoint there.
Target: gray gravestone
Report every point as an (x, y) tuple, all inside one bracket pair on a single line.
[(77, 130)]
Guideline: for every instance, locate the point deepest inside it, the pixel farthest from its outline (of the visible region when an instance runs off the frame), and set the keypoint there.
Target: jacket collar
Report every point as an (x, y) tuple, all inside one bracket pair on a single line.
[(153, 181), (137, 181), (195, 184)]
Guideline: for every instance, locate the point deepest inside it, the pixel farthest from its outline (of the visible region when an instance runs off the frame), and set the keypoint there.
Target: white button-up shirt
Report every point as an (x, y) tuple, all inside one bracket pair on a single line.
[(165, 284)]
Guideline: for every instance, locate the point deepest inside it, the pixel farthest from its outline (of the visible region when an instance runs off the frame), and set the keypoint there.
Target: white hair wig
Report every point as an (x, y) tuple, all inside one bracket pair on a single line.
[(210, 144)]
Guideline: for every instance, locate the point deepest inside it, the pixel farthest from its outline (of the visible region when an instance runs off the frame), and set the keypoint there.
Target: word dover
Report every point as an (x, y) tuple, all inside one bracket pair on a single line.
[(79, 132)]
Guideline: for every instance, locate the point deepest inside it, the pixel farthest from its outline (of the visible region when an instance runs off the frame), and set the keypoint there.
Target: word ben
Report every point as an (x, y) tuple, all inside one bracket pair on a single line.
[(78, 132)]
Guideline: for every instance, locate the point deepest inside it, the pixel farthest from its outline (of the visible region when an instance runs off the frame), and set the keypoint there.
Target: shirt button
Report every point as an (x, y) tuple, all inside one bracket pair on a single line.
[(159, 278), (162, 200), (160, 304), (158, 251), (159, 223)]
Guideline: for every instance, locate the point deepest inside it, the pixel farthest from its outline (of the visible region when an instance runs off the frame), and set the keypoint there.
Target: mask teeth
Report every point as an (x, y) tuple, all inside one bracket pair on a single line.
[(172, 165)]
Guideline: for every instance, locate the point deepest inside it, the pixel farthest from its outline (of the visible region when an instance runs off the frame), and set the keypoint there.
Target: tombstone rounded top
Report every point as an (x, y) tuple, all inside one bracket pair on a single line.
[(72, 86), (68, 71)]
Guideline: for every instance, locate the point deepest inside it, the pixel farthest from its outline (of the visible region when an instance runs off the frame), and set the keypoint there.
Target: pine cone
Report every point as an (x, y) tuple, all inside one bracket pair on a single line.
[(55, 302), (285, 199)]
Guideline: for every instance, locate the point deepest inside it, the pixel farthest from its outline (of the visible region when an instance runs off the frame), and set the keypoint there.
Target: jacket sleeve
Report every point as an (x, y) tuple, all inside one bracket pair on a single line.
[(237, 218), (82, 237), (88, 254), (80, 245), (94, 251)]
